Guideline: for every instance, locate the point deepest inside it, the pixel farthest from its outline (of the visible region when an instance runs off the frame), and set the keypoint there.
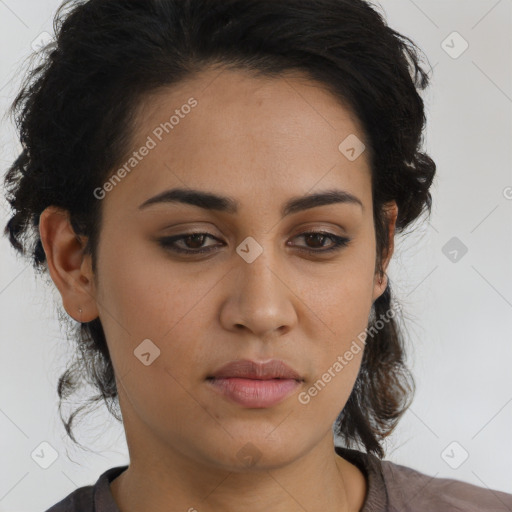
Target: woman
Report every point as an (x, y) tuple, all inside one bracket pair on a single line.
[(214, 188)]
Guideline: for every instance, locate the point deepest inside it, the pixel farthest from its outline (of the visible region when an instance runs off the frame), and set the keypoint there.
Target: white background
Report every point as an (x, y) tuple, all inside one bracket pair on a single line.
[(459, 313)]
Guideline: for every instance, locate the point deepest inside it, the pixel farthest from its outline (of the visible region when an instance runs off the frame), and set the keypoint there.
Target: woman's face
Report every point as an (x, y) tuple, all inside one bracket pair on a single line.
[(265, 291)]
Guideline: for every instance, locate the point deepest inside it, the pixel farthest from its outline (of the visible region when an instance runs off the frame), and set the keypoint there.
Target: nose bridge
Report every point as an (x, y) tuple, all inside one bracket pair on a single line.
[(262, 301), (257, 269)]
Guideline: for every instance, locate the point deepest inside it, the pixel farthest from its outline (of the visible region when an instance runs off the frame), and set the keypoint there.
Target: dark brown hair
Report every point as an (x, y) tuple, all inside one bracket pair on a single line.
[(75, 116)]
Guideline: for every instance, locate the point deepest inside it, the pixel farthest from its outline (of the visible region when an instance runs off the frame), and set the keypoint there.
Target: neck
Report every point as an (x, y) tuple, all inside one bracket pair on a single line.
[(318, 481)]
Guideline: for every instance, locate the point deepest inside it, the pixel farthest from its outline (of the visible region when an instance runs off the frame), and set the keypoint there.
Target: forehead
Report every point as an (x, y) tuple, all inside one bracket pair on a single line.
[(250, 137)]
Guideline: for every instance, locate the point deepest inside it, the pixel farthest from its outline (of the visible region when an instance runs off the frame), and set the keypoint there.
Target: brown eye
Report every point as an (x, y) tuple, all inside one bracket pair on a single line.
[(193, 243), (317, 238)]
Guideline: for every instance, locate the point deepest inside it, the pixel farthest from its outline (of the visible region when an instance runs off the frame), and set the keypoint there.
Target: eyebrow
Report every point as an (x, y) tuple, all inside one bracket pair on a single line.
[(209, 201)]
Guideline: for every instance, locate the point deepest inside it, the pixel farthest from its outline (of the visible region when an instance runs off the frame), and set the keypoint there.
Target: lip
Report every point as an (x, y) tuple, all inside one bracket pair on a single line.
[(255, 384), (254, 393), (265, 370)]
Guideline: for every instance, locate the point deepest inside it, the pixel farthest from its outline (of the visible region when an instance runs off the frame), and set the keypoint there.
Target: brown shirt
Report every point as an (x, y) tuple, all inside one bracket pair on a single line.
[(391, 488)]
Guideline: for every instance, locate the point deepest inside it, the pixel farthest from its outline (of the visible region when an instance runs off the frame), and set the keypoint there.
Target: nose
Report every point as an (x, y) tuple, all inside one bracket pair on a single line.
[(261, 298)]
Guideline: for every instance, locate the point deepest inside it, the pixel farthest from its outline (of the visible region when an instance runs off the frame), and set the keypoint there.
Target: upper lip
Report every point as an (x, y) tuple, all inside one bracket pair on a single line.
[(245, 368)]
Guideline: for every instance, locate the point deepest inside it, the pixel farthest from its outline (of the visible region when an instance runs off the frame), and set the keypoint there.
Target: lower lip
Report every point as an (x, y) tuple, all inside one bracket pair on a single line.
[(254, 393)]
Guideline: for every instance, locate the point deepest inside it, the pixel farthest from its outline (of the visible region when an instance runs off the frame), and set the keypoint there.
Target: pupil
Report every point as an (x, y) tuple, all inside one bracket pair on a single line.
[(315, 236), (195, 237)]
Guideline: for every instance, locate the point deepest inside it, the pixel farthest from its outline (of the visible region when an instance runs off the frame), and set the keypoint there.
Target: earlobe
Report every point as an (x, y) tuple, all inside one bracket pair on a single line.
[(379, 285), (69, 267)]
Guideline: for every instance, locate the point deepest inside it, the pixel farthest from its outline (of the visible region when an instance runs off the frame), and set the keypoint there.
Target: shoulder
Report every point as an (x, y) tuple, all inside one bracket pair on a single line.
[(80, 500), (396, 488), (409, 489), (91, 498)]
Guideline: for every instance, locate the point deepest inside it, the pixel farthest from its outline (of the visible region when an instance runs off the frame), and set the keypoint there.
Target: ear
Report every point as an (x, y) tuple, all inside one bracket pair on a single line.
[(69, 268), (391, 212)]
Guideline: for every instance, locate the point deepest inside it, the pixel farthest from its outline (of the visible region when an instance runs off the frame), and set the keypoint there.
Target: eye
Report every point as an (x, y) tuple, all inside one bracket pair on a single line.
[(320, 236), (195, 239), (194, 242)]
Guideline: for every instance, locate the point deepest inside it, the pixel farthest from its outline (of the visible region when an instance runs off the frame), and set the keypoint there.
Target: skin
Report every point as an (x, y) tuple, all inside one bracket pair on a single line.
[(261, 141)]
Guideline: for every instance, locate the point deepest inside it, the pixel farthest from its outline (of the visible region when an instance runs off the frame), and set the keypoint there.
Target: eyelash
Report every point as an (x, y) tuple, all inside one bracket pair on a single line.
[(167, 242)]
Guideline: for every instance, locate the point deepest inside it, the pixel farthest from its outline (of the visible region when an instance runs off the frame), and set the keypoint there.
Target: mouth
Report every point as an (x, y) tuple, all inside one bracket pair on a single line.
[(255, 384), (254, 393)]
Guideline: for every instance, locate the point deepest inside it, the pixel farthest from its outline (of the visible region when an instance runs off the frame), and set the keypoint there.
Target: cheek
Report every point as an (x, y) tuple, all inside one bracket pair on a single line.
[(145, 301), (141, 292), (338, 300), (343, 309), (340, 304), (144, 297), (326, 395)]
